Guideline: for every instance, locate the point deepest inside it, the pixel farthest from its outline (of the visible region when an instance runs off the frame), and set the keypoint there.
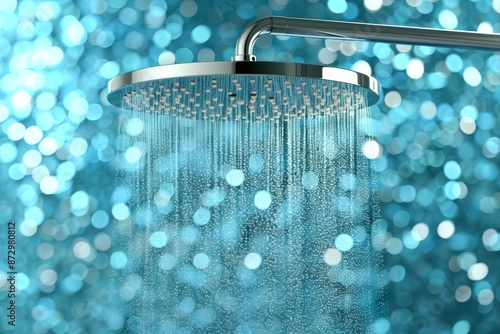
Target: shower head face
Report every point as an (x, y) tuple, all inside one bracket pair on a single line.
[(243, 91)]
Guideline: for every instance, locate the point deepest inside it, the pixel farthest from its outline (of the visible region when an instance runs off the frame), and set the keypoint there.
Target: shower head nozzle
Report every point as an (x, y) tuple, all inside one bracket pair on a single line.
[(243, 90)]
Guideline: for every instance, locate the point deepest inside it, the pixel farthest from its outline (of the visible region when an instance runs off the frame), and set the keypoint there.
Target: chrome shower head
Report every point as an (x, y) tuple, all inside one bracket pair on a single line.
[(243, 90)]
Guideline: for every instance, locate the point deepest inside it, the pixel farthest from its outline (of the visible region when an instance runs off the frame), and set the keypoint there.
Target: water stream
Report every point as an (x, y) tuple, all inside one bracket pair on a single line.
[(247, 226)]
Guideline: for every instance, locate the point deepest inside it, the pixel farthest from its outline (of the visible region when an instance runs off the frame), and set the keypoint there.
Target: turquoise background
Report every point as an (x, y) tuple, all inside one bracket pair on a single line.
[(437, 125)]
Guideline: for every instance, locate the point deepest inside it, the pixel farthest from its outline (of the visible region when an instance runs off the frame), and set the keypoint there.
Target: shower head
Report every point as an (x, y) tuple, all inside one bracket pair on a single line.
[(242, 90), (245, 89)]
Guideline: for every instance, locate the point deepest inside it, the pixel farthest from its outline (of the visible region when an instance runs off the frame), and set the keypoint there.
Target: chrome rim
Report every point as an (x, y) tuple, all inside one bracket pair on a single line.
[(163, 72)]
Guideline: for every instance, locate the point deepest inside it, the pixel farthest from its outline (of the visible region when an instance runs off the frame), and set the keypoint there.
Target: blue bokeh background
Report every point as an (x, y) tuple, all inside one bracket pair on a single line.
[(438, 129)]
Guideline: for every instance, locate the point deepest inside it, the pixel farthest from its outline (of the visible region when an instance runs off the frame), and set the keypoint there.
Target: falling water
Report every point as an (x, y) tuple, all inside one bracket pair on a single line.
[(246, 213)]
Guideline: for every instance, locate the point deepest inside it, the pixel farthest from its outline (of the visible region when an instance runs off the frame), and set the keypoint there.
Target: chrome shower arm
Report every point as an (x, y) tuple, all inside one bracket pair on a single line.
[(288, 26)]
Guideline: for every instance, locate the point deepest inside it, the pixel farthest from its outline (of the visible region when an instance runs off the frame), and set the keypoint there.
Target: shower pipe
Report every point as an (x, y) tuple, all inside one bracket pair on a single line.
[(288, 26)]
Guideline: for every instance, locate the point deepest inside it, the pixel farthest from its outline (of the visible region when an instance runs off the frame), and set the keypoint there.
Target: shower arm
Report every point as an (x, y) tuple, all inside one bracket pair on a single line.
[(288, 26)]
